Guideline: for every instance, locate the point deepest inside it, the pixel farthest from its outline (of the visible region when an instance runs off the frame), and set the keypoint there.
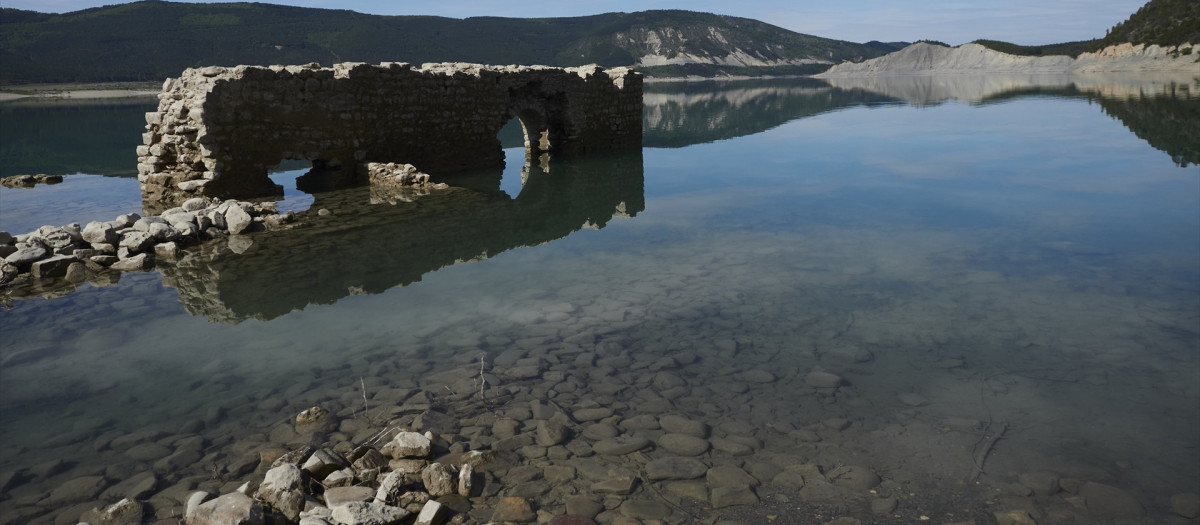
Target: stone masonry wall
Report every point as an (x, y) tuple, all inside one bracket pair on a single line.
[(218, 130)]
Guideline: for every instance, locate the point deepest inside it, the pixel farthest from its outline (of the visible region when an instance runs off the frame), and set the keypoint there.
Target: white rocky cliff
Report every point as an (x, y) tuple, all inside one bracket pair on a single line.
[(927, 59)]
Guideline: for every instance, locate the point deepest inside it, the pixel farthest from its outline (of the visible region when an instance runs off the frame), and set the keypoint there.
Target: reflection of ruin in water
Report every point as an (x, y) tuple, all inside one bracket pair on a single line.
[(368, 244)]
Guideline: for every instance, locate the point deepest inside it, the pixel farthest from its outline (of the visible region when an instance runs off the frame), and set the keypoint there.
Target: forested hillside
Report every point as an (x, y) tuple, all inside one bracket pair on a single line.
[(1160, 22), (151, 40)]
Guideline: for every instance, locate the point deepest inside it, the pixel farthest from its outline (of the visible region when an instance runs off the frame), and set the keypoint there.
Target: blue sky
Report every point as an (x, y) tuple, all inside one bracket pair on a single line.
[(952, 21)]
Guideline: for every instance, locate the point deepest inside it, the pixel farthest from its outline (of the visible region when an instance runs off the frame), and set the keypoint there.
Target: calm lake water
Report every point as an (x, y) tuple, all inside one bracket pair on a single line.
[(1011, 266)]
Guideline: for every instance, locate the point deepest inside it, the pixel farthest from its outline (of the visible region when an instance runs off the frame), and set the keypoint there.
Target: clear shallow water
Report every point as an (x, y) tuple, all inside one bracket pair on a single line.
[(1026, 261)]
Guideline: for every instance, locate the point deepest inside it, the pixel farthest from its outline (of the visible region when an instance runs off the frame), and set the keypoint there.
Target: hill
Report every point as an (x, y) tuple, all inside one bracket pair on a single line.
[(1159, 22), (1158, 37), (1163, 23), (152, 40)]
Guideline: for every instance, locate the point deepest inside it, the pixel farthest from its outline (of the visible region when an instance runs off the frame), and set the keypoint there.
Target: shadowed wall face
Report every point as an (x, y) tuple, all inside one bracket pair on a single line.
[(218, 130)]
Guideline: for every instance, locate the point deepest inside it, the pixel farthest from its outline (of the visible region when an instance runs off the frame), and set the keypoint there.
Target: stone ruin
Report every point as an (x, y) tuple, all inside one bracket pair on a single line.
[(218, 130)]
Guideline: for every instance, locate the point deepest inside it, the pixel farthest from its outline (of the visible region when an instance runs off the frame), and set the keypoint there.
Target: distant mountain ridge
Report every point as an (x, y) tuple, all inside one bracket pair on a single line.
[(927, 59), (151, 40), (1162, 36)]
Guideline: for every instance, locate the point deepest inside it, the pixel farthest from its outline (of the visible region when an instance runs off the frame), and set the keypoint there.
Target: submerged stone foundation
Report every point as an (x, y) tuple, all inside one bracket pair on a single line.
[(218, 130)]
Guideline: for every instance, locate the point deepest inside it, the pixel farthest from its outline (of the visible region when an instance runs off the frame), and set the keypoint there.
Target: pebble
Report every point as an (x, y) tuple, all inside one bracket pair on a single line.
[(644, 509), (515, 509), (675, 468), (912, 400), (821, 379), (620, 446), (1108, 501), (683, 444), (733, 495)]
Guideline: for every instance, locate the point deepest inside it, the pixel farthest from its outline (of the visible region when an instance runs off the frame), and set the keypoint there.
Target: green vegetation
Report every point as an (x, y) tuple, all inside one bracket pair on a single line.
[(152, 40), (1162, 22), (1071, 49)]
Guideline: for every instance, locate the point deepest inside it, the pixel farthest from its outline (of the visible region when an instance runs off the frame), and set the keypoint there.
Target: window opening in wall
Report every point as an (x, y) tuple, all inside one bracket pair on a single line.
[(512, 139)]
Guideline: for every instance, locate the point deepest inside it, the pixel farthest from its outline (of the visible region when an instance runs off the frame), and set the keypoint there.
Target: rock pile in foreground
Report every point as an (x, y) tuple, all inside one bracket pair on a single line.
[(393, 484), (128, 243)]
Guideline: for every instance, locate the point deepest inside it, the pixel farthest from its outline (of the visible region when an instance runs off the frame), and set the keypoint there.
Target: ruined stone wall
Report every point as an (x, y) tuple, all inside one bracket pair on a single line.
[(218, 130)]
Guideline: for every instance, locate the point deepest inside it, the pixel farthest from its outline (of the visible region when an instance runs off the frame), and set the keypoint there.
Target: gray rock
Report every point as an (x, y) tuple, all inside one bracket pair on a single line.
[(431, 514), (163, 232), (1186, 505), (884, 506), (620, 446), (339, 478), (104, 260), (324, 462), (550, 433), (143, 224), (756, 375), (729, 476), (674, 424), (822, 379), (178, 461), (1042, 483), (391, 487), (193, 502), (683, 444), (6, 238), (315, 420), (1109, 501), (620, 485), (166, 250), (141, 261), (731, 447), (513, 509), (237, 220), (408, 445), (642, 422), (53, 266), (602, 430), (148, 452), (126, 220), (136, 241), (369, 513), (853, 477), (195, 204), (644, 509), (76, 490), (234, 508), (27, 255), (76, 272), (338, 495), (100, 232), (671, 467), (466, 482), (439, 480), (912, 399), (584, 415), (124, 512), (584, 506), (733, 495), (283, 490), (57, 238)]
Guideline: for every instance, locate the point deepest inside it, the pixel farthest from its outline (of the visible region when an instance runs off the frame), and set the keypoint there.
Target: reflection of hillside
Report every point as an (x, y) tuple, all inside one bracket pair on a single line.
[(368, 248), (681, 114), (1168, 123), (1163, 110), (68, 137)]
